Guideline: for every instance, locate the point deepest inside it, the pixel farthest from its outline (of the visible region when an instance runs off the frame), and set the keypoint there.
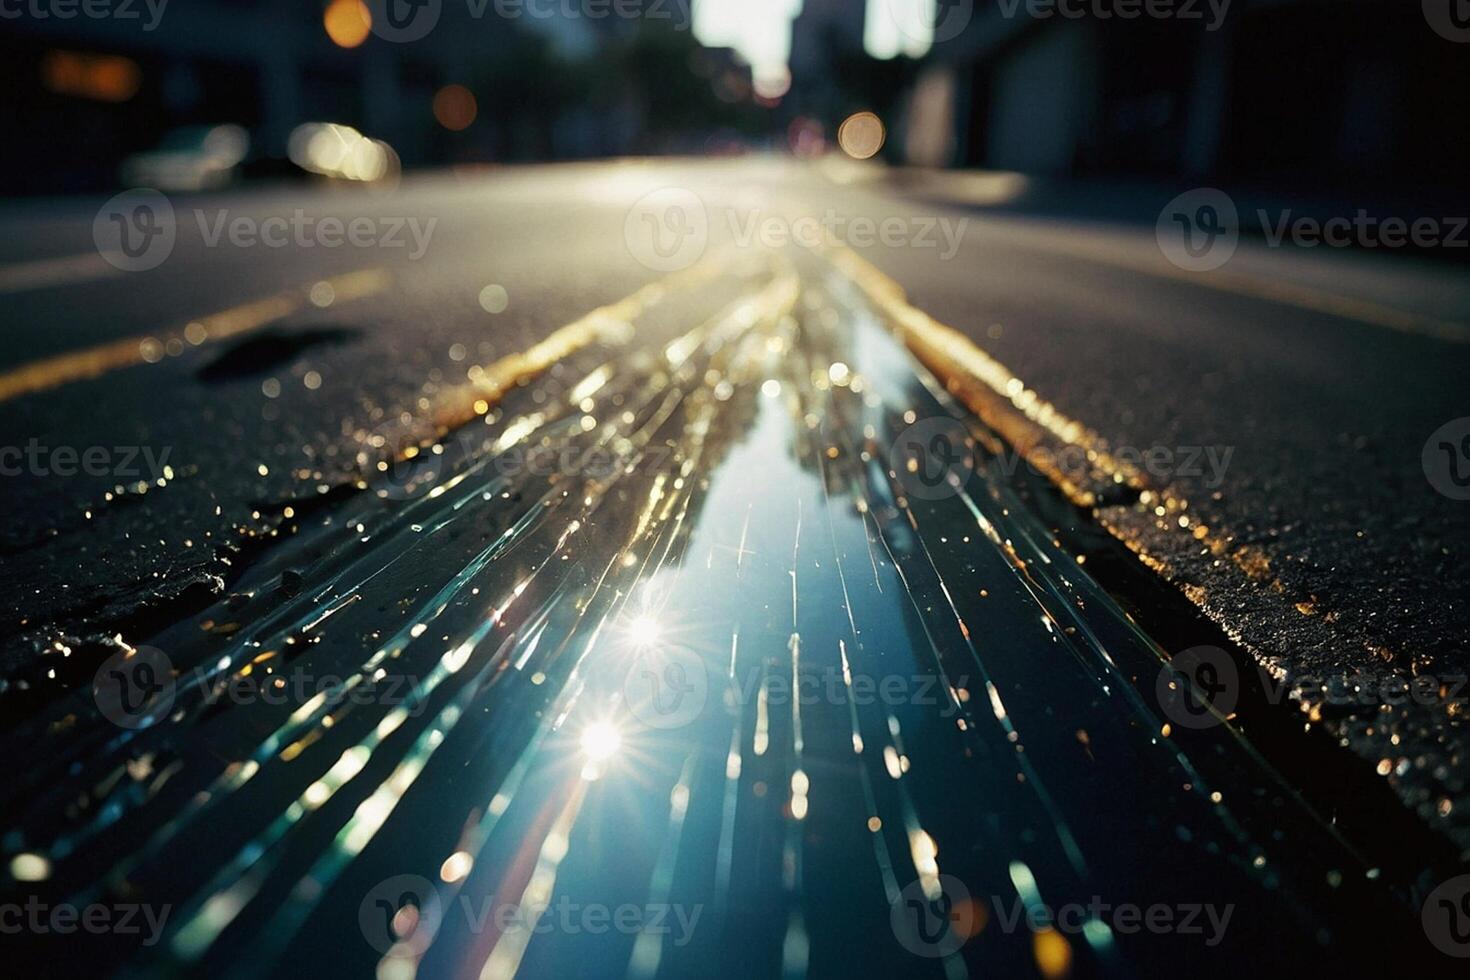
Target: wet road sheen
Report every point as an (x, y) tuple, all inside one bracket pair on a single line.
[(724, 646)]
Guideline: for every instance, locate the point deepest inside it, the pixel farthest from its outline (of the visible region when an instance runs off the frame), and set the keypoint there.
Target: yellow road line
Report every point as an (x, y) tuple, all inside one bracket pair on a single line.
[(1272, 291), (1020, 416), (988, 387), (488, 383), (92, 362), (1033, 426), (40, 273), (1321, 301)]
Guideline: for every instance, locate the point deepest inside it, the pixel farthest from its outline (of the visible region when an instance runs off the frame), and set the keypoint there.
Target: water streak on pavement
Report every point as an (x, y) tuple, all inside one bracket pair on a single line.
[(726, 656)]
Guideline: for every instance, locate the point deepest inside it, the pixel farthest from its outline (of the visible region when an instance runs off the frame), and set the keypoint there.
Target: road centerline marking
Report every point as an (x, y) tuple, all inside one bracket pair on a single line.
[(60, 270), (93, 362), (1298, 295)]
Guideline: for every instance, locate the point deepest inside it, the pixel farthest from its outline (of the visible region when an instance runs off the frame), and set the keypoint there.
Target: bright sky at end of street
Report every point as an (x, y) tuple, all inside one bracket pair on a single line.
[(760, 30)]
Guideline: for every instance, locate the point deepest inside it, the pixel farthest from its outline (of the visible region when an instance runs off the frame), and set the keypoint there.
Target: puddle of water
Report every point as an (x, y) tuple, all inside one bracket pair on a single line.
[(744, 666)]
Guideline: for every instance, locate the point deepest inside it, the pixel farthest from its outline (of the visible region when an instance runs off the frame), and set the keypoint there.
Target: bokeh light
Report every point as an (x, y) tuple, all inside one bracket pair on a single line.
[(773, 87), (861, 135), (494, 298), (455, 107), (644, 631), (105, 78), (333, 150), (347, 22), (600, 741)]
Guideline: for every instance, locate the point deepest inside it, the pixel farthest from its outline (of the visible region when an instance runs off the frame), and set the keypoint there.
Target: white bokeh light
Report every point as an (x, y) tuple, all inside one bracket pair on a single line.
[(760, 30), (895, 27)]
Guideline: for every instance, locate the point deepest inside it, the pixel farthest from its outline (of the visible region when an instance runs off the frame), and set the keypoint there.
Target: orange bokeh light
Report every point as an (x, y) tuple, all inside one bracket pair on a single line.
[(106, 78), (347, 22), (861, 135), (455, 107)]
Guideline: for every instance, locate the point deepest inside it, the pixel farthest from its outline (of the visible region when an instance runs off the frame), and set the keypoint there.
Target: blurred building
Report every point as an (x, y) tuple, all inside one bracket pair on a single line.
[(84, 92), (822, 28), (826, 37), (1314, 91)]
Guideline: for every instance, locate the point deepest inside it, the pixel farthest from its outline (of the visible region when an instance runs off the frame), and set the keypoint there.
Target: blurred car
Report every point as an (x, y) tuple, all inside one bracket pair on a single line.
[(193, 158), (342, 153)]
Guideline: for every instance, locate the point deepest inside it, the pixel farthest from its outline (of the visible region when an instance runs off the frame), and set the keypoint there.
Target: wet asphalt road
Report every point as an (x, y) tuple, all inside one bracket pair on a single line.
[(693, 623)]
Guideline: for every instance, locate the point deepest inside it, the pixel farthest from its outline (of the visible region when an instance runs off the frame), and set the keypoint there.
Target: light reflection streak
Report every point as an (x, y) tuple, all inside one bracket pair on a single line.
[(648, 947), (527, 598)]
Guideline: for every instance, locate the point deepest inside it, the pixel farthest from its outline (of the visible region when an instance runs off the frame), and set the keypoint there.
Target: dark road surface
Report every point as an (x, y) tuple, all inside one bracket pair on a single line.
[(471, 633)]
